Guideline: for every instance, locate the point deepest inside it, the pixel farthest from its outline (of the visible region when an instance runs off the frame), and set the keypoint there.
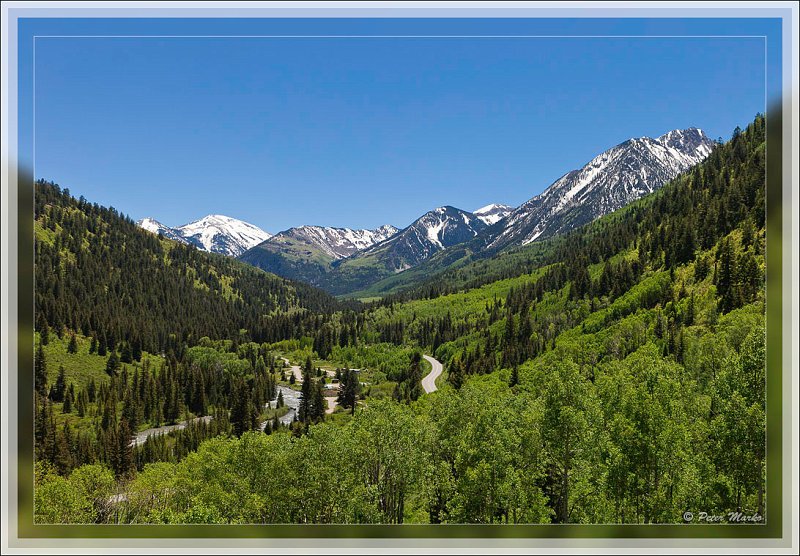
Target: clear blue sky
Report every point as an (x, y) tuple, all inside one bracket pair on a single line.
[(360, 132)]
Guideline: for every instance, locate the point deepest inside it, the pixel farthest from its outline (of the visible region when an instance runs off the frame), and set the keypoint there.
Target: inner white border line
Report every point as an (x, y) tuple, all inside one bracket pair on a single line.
[(763, 37)]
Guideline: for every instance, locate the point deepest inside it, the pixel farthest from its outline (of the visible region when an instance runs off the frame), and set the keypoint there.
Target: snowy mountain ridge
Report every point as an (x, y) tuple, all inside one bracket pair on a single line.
[(434, 231), (214, 233), (606, 183), (337, 243)]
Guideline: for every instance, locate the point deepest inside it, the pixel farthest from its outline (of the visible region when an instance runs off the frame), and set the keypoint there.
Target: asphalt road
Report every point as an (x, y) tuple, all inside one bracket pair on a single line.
[(429, 382), (142, 437)]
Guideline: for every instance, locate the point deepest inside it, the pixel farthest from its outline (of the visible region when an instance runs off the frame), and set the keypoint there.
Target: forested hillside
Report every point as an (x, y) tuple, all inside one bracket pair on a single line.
[(613, 375), (99, 274)]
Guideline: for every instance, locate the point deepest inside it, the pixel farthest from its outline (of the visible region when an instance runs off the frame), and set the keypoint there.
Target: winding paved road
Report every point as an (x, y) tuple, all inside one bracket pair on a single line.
[(429, 382), (142, 437), (291, 399)]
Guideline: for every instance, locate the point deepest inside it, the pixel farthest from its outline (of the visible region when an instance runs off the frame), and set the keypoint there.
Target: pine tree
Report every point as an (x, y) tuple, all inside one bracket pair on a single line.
[(725, 276), (44, 332), (113, 363), (69, 397), (514, 376), (199, 403), (581, 282), (415, 376), (304, 410), (136, 349), (108, 402), (61, 456), (130, 408), (124, 458), (40, 372), (72, 347), (81, 403), (348, 390), (243, 414), (126, 356), (60, 387), (318, 402), (455, 376), (42, 433)]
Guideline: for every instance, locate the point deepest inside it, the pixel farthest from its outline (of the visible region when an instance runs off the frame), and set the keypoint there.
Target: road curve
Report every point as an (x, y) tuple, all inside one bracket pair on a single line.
[(142, 437), (429, 382)]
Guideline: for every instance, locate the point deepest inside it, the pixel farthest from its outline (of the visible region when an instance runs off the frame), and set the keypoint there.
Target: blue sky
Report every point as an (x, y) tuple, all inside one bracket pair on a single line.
[(361, 132)]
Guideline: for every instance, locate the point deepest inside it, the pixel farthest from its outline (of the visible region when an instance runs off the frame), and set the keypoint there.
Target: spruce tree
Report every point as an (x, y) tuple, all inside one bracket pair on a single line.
[(126, 356), (348, 390), (69, 398), (130, 408), (72, 346), (455, 375), (199, 396), (124, 459), (725, 276), (42, 432), (136, 349), (304, 410), (81, 403), (44, 332), (318, 402), (112, 364), (40, 372), (243, 416), (415, 376), (60, 387)]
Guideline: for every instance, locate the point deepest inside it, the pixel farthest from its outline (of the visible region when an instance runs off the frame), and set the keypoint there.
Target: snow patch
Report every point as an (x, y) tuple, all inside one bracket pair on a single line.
[(433, 234)]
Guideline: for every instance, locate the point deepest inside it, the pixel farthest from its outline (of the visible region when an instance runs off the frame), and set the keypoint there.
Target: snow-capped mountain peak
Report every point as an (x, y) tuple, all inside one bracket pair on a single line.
[(606, 183), (434, 231), (218, 233), (215, 233), (493, 212), (337, 243), (691, 141)]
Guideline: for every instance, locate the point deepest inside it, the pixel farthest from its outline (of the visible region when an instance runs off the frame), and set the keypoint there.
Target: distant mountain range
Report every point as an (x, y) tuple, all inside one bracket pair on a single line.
[(343, 260)]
